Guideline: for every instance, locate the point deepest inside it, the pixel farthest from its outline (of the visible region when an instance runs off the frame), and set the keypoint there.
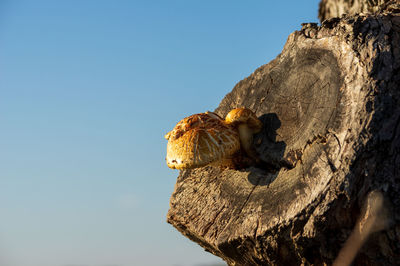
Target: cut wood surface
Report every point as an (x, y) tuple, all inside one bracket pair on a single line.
[(330, 105)]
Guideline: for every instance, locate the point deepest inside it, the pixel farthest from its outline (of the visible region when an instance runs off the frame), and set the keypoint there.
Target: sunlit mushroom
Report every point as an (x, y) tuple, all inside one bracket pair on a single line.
[(206, 138), (199, 140)]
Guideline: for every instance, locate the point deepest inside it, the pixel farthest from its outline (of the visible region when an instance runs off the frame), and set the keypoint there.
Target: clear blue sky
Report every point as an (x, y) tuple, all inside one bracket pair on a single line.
[(87, 91)]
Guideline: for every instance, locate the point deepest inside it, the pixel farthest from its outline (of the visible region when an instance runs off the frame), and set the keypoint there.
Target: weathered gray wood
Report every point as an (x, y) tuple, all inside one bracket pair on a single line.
[(330, 103)]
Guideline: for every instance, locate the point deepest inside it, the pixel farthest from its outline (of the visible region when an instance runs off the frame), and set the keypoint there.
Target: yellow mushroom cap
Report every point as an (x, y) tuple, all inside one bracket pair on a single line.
[(244, 116), (200, 139)]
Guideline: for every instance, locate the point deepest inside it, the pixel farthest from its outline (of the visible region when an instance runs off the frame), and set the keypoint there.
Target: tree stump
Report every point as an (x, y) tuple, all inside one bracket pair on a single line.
[(330, 105)]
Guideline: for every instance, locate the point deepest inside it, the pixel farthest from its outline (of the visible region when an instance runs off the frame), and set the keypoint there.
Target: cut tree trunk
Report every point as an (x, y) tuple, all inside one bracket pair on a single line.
[(330, 105)]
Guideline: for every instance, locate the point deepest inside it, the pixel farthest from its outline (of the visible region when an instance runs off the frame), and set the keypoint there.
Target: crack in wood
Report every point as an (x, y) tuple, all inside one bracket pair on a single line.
[(213, 221), (256, 229), (248, 197)]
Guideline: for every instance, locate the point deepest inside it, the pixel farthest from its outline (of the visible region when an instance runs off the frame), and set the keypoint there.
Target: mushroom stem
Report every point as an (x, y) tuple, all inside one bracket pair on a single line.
[(246, 140)]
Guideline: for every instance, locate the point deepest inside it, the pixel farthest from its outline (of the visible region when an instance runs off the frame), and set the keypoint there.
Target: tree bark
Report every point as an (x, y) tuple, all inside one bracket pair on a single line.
[(337, 8), (330, 105)]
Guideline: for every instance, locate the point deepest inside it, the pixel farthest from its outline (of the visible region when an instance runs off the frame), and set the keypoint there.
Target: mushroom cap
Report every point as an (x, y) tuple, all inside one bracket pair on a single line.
[(244, 116), (200, 139)]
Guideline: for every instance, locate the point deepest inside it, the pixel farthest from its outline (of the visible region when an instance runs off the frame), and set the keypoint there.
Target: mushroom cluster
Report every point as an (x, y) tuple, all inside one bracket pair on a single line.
[(206, 138)]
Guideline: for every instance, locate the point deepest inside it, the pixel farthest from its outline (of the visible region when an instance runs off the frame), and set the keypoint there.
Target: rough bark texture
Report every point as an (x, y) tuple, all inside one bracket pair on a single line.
[(330, 104), (337, 8)]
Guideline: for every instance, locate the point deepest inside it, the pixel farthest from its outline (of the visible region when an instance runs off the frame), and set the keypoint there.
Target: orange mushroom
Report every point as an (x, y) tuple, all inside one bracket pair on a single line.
[(206, 138)]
